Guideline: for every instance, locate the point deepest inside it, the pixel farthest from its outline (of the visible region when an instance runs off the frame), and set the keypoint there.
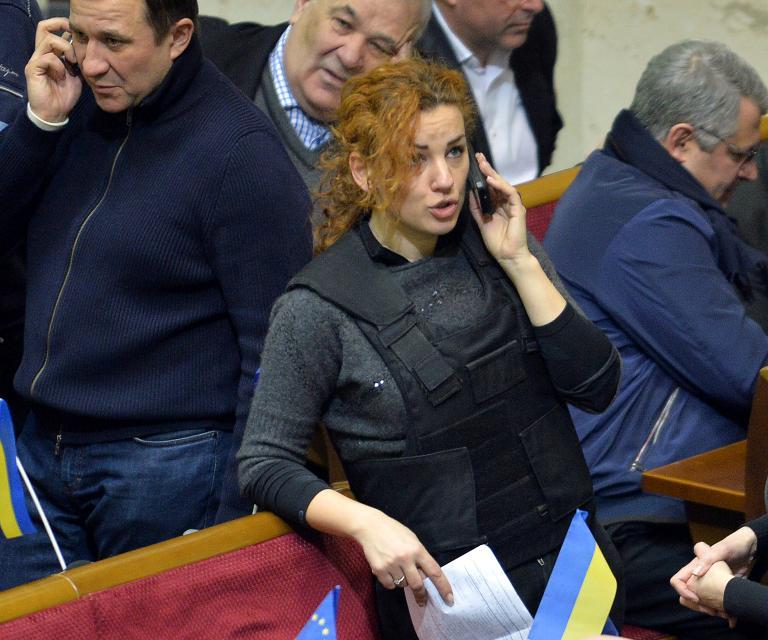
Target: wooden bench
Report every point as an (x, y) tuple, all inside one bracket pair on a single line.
[(252, 577)]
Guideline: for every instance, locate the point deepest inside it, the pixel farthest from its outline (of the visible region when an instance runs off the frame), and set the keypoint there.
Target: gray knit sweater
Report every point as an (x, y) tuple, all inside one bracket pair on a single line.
[(305, 160), (318, 366)]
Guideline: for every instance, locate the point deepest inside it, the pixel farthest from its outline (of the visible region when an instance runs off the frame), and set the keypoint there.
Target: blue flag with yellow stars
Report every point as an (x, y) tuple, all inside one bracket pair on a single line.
[(322, 624)]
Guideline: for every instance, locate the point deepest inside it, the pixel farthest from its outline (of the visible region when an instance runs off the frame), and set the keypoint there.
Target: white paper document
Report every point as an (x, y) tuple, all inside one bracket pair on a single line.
[(486, 605)]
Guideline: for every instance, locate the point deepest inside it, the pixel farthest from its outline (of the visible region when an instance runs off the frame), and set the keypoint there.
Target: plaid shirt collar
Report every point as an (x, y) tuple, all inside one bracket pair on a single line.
[(312, 133)]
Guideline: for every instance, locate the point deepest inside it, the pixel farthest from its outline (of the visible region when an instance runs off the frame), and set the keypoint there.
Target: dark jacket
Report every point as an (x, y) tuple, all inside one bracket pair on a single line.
[(533, 65), (18, 19), (158, 239), (240, 51), (749, 205), (653, 260), (748, 599)]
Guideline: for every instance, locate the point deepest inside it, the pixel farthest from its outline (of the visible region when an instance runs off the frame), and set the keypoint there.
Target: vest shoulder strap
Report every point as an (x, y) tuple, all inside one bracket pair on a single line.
[(346, 276)]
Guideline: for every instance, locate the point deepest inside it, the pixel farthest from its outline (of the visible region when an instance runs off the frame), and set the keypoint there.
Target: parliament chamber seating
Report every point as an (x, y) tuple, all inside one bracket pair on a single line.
[(252, 577), (540, 197), (249, 578)]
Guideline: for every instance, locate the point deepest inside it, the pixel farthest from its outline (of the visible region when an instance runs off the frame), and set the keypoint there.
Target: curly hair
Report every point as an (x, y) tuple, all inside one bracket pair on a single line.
[(377, 119)]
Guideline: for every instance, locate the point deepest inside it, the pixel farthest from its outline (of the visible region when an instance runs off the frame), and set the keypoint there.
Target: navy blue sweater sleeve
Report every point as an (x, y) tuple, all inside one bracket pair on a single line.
[(257, 243), (21, 158), (25, 152)]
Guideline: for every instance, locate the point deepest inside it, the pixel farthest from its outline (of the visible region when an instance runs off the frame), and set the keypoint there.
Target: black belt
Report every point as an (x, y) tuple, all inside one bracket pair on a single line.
[(80, 428)]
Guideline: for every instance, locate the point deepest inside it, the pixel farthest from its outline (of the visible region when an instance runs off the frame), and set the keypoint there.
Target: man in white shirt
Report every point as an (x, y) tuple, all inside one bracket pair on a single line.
[(506, 51)]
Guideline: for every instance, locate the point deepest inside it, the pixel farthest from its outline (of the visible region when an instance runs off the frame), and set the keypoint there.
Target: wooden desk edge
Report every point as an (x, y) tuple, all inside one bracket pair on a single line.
[(666, 480)]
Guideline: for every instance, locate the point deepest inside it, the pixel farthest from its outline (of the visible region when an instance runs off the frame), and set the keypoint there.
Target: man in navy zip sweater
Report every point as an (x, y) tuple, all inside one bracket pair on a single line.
[(163, 217), (642, 242)]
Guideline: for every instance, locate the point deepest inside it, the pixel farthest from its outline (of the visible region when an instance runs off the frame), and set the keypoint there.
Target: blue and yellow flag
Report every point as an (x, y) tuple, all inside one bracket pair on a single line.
[(580, 590), (322, 624), (14, 517)]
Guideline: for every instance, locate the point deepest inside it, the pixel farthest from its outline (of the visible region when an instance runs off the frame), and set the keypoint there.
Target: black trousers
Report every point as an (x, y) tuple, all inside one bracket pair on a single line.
[(652, 553)]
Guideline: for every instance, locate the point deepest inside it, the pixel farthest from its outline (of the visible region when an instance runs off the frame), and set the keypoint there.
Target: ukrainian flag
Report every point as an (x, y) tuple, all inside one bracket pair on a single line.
[(580, 590), (14, 517)]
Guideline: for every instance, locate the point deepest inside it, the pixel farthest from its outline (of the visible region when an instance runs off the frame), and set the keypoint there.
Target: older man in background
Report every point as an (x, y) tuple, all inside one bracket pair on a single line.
[(294, 71)]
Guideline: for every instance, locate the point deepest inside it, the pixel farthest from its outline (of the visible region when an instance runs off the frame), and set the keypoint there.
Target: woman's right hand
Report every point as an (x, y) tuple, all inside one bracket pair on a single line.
[(394, 551)]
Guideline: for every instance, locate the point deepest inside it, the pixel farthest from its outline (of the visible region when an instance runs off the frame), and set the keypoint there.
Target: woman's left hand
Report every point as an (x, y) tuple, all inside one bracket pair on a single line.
[(504, 233), (710, 588), (709, 591)]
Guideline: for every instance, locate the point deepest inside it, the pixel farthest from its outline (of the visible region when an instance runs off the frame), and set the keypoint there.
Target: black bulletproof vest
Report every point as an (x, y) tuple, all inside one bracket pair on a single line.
[(491, 455)]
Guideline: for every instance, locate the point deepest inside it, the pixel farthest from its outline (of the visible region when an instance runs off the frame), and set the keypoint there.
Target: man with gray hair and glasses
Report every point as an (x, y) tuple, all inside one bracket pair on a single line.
[(643, 244)]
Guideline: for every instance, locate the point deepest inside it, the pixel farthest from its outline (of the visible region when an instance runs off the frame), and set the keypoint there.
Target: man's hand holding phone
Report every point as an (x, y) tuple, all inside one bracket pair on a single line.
[(52, 90)]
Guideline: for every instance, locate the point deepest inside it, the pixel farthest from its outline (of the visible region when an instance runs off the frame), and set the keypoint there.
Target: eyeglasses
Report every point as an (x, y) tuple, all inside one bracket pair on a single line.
[(742, 156)]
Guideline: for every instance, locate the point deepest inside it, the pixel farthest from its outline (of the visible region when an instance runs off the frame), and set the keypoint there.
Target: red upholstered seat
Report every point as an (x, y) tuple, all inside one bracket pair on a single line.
[(538, 219), (638, 633), (268, 590)]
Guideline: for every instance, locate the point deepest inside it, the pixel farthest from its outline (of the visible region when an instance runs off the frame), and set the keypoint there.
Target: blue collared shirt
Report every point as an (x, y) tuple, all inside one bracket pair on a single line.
[(312, 133)]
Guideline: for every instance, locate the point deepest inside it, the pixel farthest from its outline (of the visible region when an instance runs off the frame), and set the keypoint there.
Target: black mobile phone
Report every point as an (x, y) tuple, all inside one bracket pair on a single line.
[(72, 68), (477, 183)]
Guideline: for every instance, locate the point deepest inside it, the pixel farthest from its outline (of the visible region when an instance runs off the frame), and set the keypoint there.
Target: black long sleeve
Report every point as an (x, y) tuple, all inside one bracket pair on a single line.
[(582, 363)]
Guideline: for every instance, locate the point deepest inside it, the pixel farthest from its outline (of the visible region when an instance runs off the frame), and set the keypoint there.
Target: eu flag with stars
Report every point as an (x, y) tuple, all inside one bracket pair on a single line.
[(322, 624)]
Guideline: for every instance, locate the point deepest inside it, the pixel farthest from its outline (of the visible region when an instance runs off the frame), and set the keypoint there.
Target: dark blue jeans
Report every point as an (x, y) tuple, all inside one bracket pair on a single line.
[(106, 498)]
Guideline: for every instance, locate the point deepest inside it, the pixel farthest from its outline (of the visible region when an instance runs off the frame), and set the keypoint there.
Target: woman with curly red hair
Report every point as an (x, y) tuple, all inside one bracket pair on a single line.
[(437, 351)]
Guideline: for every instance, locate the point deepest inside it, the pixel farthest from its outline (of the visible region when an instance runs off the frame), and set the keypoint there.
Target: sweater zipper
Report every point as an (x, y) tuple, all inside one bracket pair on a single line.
[(653, 436), (35, 380)]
